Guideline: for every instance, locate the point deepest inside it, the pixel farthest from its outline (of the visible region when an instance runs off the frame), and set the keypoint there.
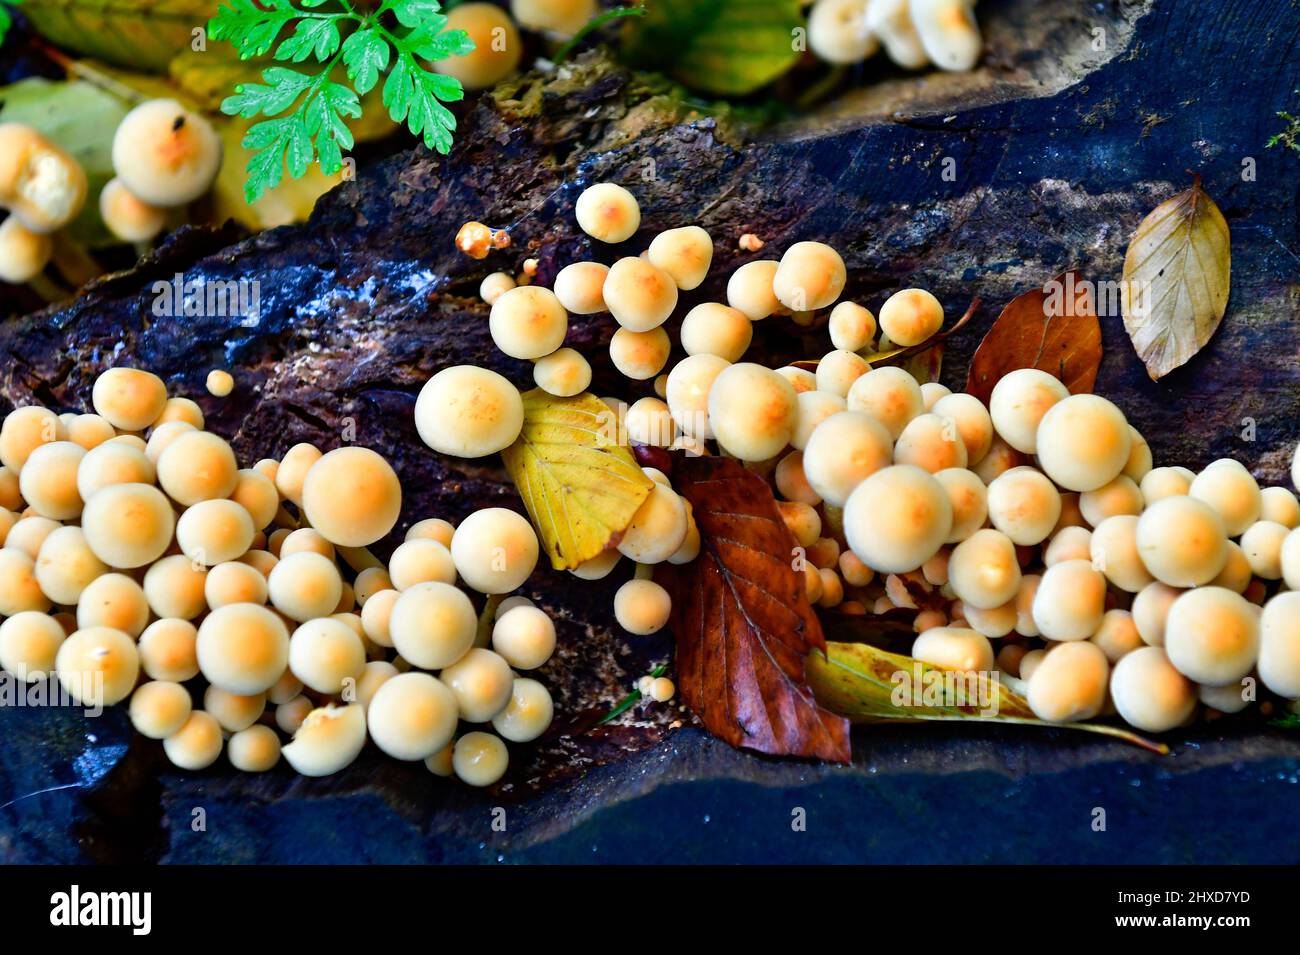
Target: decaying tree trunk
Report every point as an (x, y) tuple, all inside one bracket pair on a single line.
[(982, 185)]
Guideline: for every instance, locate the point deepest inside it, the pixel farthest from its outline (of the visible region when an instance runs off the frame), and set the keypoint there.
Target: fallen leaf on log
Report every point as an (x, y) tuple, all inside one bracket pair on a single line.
[(1177, 274), (581, 488), (867, 684), (742, 619), (1053, 328), (730, 47)]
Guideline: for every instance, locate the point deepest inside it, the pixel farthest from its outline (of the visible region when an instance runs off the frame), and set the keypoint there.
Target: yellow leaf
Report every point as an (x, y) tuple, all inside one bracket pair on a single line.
[(580, 487), (868, 684), (1176, 280), (140, 34)]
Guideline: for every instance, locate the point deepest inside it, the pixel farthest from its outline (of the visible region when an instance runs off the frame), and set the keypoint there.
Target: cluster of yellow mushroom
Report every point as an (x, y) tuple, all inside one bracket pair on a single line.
[(498, 46), (1038, 521), (164, 156), (913, 33), (44, 189), (140, 563)]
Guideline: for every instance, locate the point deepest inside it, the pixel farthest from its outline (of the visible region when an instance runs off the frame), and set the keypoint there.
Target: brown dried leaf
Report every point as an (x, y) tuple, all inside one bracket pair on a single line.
[(1054, 328), (742, 619), (1177, 276)]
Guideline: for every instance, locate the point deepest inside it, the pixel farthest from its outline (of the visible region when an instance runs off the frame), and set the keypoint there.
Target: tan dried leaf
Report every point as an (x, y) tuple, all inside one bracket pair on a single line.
[(1176, 280)]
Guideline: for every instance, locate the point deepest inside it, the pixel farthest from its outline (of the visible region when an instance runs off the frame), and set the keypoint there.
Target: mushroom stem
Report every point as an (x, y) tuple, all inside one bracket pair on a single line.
[(76, 264), (359, 558), (487, 619), (48, 289)]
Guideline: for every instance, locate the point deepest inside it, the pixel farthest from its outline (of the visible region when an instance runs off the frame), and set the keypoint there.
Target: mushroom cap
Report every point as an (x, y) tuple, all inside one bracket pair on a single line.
[(897, 518), (838, 33), (1232, 492), (215, 531), (497, 46), (329, 739), (130, 525), (1070, 683), (48, 480), (969, 501), (197, 466), (127, 217), (911, 316), (684, 253), (932, 442), (305, 585), (974, 424), (64, 567), (1149, 693), (689, 385), (580, 287), (564, 373), (810, 275), (159, 708), (174, 587), (1212, 635), (495, 550), (845, 449), (481, 682), (1279, 645), (1018, 403), (890, 395), (233, 711), (1182, 541), (468, 412), (164, 154), (750, 289), (432, 624), (98, 666), (480, 759), (528, 714), (1083, 442), (1113, 549), (197, 744), (954, 648), (639, 294), (116, 601), (639, 355), (642, 606), (658, 528), (711, 328), (23, 431), (412, 716), (1070, 601), (528, 321), (29, 643), (606, 211), (352, 496), (324, 654), (23, 253), (242, 648), (751, 411), (41, 184), (254, 750), (113, 463), (983, 570), (851, 326), (524, 636)]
